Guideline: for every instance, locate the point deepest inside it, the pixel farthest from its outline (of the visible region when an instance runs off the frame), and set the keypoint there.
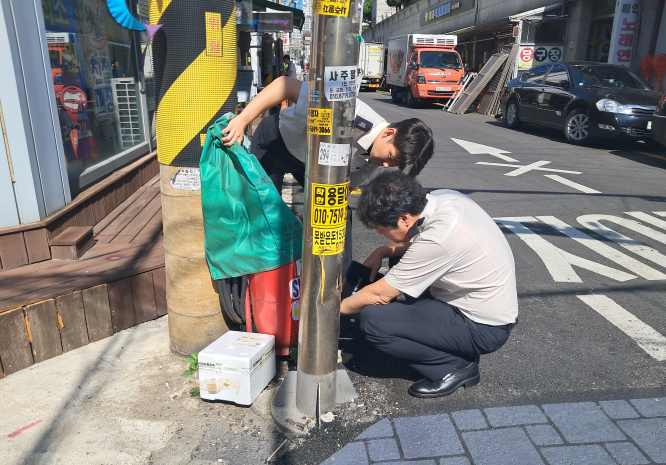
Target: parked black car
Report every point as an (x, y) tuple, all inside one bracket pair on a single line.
[(585, 99), (659, 122)]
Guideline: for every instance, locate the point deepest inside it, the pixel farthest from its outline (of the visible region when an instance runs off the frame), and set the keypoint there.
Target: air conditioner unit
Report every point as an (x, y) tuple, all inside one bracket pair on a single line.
[(432, 39), (129, 117)]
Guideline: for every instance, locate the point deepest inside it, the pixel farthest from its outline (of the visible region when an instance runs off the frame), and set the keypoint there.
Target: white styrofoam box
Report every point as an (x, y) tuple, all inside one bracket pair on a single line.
[(237, 367)]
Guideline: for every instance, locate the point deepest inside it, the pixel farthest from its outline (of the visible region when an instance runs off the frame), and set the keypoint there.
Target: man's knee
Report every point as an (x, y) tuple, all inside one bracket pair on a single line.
[(371, 324)]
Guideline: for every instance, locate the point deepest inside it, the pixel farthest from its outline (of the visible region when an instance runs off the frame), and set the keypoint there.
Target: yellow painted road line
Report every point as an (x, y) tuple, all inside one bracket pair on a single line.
[(650, 155)]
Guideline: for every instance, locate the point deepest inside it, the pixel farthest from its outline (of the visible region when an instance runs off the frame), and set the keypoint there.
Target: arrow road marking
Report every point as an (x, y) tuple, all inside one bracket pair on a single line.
[(524, 169), (575, 185), (660, 213), (645, 336), (478, 149)]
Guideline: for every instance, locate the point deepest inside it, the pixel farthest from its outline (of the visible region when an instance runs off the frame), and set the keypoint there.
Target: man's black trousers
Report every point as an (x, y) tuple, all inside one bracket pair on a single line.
[(434, 337)]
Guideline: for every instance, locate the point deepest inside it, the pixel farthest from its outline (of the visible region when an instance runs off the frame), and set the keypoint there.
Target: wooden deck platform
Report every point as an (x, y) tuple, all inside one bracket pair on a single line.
[(53, 306)]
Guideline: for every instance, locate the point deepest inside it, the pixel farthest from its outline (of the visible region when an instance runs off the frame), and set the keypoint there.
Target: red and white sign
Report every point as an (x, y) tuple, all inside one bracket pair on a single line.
[(526, 54), (624, 32)]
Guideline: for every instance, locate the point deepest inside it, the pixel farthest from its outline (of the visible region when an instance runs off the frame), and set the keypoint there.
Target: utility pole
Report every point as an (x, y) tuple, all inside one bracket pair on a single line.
[(334, 79)]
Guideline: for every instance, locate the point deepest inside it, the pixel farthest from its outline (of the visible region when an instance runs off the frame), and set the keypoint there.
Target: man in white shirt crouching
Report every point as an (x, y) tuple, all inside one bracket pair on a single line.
[(458, 271)]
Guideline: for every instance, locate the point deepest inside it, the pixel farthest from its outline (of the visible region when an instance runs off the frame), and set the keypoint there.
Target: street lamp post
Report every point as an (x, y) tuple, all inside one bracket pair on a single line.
[(333, 85)]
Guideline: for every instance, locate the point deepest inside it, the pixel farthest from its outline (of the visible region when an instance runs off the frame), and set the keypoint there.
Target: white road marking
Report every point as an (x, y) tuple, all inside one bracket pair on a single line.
[(575, 185), (478, 149), (603, 249), (557, 261), (524, 169), (593, 222), (648, 219), (660, 213), (645, 336)]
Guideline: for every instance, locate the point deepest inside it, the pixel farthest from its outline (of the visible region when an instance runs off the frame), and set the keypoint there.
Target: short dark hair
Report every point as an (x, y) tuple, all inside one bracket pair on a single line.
[(414, 142), (286, 57), (389, 195)]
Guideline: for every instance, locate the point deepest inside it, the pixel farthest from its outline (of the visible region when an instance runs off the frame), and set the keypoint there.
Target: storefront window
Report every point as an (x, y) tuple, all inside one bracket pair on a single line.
[(93, 67)]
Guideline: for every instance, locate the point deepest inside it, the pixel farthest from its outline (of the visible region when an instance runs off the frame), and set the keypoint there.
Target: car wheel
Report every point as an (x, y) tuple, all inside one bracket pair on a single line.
[(409, 98), (394, 95), (512, 117), (576, 127)]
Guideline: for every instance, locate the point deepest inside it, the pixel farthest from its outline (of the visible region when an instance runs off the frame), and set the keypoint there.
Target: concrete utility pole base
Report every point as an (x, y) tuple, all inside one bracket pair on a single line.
[(287, 415)]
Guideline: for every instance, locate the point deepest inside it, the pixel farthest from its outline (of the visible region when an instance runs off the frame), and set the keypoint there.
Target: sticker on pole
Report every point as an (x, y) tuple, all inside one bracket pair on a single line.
[(187, 179), (331, 7), (329, 205), (320, 121), (342, 82), (328, 241), (334, 154)]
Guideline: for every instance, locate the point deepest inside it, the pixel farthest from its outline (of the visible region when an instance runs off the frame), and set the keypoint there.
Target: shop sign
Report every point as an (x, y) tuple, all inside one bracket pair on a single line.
[(535, 55), (624, 29), (272, 22), (444, 9)]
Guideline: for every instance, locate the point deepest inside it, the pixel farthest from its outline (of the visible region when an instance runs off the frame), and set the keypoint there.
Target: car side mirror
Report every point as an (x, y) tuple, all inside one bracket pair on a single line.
[(565, 84), (414, 65)]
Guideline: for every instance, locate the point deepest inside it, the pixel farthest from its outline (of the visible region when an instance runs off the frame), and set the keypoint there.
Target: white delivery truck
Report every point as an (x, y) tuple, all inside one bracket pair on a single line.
[(372, 55), (423, 67)]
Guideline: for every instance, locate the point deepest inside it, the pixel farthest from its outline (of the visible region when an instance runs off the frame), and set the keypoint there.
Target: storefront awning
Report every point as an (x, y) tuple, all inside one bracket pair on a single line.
[(299, 17)]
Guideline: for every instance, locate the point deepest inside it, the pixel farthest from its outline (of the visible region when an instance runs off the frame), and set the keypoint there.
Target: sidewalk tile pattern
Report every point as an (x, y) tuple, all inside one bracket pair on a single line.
[(515, 416), (626, 453), (543, 435), (650, 435), (509, 446), (583, 422), (618, 409), (613, 432), (650, 407), (469, 420), (383, 449), (588, 455)]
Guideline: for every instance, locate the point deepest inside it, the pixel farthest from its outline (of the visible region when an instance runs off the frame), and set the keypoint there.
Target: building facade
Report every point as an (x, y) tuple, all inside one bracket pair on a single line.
[(617, 31), (72, 102)]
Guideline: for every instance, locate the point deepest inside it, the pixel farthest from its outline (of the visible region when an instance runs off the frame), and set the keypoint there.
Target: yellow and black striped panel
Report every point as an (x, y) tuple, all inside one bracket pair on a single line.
[(194, 60)]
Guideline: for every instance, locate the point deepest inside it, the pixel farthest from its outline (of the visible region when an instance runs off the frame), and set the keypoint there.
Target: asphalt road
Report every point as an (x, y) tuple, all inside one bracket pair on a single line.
[(591, 328)]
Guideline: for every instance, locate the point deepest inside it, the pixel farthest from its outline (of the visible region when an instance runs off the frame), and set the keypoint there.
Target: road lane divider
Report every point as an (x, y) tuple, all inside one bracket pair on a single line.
[(570, 183), (647, 338)]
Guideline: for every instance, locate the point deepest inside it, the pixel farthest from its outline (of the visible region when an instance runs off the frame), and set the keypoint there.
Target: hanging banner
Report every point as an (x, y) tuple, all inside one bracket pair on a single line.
[(624, 29)]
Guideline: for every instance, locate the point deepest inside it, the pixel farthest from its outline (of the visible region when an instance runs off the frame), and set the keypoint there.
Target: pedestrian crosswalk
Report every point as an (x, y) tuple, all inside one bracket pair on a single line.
[(635, 260)]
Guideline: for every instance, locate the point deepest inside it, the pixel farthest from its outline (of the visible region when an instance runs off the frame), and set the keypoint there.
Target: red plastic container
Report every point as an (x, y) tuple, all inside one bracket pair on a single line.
[(276, 303)]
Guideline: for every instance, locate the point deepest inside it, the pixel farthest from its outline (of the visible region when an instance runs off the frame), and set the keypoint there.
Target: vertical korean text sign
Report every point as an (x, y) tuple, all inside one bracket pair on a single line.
[(624, 32)]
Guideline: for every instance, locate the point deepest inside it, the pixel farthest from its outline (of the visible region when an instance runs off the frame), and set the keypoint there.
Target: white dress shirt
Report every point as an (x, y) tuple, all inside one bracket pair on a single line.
[(367, 126), (463, 257)]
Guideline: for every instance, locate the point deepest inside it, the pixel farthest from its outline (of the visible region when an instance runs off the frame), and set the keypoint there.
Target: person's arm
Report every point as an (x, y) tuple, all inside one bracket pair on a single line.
[(276, 92), (379, 293), (394, 249)]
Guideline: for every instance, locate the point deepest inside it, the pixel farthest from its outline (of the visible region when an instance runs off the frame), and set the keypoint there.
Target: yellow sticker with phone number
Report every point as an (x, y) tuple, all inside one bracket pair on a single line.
[(320, 121)]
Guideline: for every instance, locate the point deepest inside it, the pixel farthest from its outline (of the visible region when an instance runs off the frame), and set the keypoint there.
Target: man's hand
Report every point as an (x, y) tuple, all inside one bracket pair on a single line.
[(235, 131), (394, 249)]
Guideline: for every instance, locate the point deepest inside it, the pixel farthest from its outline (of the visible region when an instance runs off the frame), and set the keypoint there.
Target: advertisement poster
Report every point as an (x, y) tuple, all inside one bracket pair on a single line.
[(624, 30), (535, 55)]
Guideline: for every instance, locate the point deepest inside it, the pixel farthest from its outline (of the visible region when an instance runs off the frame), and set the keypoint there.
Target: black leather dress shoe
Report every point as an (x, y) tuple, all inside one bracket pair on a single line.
[(468, 377)]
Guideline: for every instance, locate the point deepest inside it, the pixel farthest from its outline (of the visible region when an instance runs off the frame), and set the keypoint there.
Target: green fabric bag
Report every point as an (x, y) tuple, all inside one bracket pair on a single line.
[(248, 228)]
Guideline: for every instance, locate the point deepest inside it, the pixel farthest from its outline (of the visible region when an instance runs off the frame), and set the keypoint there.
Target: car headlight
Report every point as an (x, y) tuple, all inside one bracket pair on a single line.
[(421, 79), (611, 106)]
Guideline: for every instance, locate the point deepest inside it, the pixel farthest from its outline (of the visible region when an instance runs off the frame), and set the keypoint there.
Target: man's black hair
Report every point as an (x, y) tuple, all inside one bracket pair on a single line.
[(389, 195), (286, 56), (414, 143)]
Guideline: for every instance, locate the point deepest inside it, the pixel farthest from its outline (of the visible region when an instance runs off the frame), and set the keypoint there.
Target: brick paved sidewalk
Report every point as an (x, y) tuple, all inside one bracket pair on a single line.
[(586, 433)]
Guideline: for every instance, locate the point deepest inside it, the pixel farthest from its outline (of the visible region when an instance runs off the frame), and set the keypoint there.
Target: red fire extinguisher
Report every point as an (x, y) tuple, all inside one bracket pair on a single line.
[(270, 299)]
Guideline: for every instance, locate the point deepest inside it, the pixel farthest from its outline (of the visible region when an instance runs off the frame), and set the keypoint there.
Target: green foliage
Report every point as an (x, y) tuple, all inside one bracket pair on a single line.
[(367, 11), (400, 4), (195, 392), (192, 364)]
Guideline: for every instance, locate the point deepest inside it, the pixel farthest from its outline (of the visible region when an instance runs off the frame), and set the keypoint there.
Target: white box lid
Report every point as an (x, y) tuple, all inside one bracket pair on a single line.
[(237, 351)]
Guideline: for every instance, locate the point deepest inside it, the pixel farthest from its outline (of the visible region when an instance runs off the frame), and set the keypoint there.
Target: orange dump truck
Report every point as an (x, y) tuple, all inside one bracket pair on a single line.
[(423, 67)]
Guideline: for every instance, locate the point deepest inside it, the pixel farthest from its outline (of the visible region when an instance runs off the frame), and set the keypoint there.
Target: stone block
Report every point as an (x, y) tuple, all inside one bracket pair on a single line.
[(469, 420), (618, 409), (543, 435), (583, 422), (508, 446), (515, 416), (588, 455), (429, 436)]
